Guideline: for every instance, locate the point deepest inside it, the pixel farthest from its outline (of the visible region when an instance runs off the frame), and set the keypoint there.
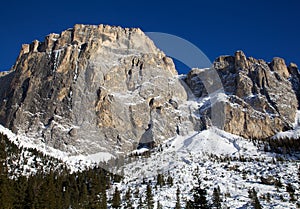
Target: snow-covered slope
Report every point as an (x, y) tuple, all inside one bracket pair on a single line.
[(291, 134), (219, 159), (73, 162)]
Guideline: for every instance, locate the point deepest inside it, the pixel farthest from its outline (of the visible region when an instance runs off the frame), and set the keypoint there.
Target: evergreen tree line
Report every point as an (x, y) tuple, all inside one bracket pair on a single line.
[(54, 189), (199, 198), (281, 146), (87, 189), (80, 190)]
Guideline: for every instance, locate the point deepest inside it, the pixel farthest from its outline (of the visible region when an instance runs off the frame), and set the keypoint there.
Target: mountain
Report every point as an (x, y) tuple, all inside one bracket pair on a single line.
[(107, 89), (261, 98), (107, 96), (92, 89)]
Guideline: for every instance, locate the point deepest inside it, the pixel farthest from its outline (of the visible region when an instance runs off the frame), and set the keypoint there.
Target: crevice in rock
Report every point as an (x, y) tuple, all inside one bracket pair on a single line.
[(151, 102), (24, 87)]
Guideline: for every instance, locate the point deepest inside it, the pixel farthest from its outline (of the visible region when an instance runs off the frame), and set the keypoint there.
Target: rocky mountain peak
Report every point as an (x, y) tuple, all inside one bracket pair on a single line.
[(109, 89), (261, 98), (101, 85), (278, 65)]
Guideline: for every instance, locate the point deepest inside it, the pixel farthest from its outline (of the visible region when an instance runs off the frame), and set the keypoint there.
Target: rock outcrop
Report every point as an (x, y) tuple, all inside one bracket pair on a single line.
[(261, 98), (92, 89), (99, 88)]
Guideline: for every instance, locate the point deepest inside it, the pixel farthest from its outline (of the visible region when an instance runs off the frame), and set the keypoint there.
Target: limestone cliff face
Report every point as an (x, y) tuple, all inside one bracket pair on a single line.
[(108, 89), (91, 89), (261, 98)]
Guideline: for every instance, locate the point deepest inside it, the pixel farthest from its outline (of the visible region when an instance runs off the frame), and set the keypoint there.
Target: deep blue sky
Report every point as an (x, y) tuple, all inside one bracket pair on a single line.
[(262, 29)]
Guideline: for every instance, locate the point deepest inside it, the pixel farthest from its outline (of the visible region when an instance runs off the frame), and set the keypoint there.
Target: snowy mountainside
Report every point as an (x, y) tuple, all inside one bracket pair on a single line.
[(74, 163), (295, 133), (106, 96), (220, 160)]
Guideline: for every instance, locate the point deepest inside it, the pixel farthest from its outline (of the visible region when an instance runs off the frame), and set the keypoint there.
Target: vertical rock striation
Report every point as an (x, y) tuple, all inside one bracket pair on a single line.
[(261, 98), (91, 89)]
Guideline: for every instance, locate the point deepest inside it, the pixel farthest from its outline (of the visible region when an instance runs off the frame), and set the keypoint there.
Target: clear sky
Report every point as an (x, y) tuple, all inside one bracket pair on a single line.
[(262, 29)]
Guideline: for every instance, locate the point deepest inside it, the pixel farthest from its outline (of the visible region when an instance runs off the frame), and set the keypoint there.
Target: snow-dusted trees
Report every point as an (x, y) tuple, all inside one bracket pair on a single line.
[(158, 205), (178, 204), (116, 200), (6, 200), (199, 198), (149, 202), (216, 198), (160, 179), (254, 199), (128, 201), (50, 188)]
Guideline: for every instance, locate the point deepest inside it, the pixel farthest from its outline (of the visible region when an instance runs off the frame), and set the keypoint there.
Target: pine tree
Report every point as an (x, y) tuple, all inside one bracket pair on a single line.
[(189, 204), (103, 200), (160, 180), (30, 198), (140, 203), (178, 204), (6, 192), (254, 199), (84, 200), (66, 198), (216, 198), (20, 186), (199, 196), (116, 200), (149, 197), (128, 199), (170, 181), (136, 193), (6, 185), (159, 206), (51, 191), (74, 190)]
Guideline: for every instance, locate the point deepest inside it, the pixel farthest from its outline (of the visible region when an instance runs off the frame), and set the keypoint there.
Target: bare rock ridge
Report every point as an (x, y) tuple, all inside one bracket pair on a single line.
[(100, 88), (261, 98), (91, 89)]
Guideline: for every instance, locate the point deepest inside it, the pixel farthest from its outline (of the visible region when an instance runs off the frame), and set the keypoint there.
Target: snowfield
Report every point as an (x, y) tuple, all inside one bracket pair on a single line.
[(218, 158)]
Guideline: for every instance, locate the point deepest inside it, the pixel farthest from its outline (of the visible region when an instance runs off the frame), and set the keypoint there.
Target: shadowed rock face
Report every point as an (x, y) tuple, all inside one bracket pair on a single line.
[(91, 89), (261, 98)]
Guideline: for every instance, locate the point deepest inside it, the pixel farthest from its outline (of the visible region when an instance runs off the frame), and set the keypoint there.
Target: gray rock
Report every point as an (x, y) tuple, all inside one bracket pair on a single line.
[(261, 99), (108, 89), (92, 89)]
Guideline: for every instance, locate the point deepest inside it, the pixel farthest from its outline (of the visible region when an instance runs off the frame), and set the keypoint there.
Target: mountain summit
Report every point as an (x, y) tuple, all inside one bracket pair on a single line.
[(92, 89), (103, 89), (261, 98)]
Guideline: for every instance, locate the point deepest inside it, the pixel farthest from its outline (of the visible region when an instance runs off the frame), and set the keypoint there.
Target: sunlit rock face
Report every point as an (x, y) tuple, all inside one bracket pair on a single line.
[(92, 89), (261, 98), (109, 89)]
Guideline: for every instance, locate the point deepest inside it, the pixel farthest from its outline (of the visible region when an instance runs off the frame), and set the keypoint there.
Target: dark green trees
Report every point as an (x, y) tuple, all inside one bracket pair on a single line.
[(160, 180), (254, 199), (178, 204), (116, 200), (128, 201), (149, 202), (199, 198), (6, 184), (50, 187), (216, 198)]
